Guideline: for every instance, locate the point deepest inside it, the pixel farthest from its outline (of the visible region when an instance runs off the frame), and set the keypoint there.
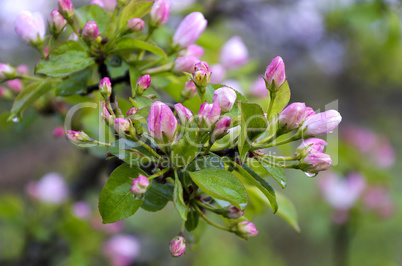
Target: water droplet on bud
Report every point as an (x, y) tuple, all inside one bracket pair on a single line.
[(16, 119), (310, 174)]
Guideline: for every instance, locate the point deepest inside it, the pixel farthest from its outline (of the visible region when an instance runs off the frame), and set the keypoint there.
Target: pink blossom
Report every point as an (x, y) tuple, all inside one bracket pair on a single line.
[(234, 53)]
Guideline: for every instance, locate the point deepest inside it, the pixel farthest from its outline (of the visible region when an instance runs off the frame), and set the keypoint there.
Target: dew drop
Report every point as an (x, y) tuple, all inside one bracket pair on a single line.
[(16, 119), (330, 131), (310, 174)]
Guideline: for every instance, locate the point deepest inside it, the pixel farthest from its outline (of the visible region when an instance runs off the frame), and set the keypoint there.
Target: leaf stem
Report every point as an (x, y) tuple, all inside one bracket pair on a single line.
[(211, 222), (158, 173)]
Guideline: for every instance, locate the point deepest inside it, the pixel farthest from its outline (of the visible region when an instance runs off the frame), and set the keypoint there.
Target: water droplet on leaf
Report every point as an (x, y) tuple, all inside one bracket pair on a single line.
[(16, 119)]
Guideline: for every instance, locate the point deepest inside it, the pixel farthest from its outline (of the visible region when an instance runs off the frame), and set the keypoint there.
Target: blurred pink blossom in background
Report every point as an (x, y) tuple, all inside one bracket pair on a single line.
[(121, 250)]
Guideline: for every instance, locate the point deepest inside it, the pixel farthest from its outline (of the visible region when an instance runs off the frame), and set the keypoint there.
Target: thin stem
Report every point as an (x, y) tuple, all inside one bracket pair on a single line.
[(158, 173), (209, 207), (148, 148), (280, 158), (151, 30), (273, 144), (28, 78), (211, 222), (102, 143), (294, 166), (272, 96), (158, 70)]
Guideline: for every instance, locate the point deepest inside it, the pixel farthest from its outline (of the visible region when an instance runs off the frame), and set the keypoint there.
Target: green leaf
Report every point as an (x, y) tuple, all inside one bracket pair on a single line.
[(28, 96), (254, 179), (184, 152), (275, 172), (127, 44), (281, 100), (192, 220), (221, 184), (75, 84), (253, 124), (202, 162), (157, 196), (130, 152), (286, 210), (67, 58), (93, 13), (178, 200), (135, 9), (116, 201)]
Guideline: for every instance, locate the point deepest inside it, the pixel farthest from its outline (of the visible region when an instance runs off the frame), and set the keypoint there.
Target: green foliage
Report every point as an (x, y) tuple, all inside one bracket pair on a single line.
[(76, 83), (253, 124), (67, 58), (127, 44), (276, 173), (135, 9), (28, 96), (178, 200), (282, 97), (93, 13), (221, 184), (157, 196), (187, 148), (252, 178), (116, 201)]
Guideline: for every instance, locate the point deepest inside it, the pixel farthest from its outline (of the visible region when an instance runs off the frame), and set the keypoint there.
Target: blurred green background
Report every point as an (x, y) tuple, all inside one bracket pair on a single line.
[(345, 51)]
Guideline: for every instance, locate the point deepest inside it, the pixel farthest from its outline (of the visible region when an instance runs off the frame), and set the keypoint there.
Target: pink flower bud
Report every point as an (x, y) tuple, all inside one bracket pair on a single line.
[(234, 53), (140, 185), (177, 246), (98, 3), (233, 212), (259, 89), (58, 132), (143, 84), (22, 69), (15, 85), (30, 26), (6, 71), (189, 30), (189, 90), (185, 115), (342, 192), (218, 74), (135, 24), (202, 74), (162, 123), (378, 199), (105, 87), (78, 136), (110, 5), (121, 250), (90, 31), (160, 13), (106, 115), (311, 145), (321, 123), (192, 50), (309, 112), (225, 97), (246, 229), (275, 73), (122, 126), (315, 162), (185, 64), (57, 22), (66, 8), (209, 114), (293, 116), (131, 113), (221, 128), (51, 189)]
